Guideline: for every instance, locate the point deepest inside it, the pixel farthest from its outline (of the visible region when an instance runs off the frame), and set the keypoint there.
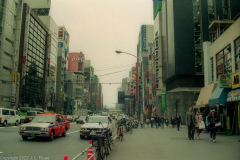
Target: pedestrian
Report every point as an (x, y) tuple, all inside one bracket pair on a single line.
[(156, 121), (178, 121), (167, 122), (198, 119), (148, 121), (173, 121), (212, 119), (190, 122), (152, 121), (162, 122)]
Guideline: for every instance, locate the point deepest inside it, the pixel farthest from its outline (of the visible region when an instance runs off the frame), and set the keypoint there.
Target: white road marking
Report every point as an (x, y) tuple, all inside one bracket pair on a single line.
[(73, 132), (1, 152)]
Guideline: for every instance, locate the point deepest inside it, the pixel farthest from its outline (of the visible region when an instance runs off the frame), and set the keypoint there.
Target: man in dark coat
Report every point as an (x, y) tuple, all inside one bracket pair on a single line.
[(178, 120), (190, 122)]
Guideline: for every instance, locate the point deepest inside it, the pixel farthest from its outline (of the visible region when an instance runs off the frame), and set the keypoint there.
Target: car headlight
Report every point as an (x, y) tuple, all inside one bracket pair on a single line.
[(44, 129), (22, 128)]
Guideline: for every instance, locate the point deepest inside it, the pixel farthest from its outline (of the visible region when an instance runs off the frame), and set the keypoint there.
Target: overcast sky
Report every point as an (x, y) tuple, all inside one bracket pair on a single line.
[(98, 28)]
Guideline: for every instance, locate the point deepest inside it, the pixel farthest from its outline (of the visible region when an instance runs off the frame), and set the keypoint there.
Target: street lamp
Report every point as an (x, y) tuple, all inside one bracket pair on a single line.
[(143, 87)]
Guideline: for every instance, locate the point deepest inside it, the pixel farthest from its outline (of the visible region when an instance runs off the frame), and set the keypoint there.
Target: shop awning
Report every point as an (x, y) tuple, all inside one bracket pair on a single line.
[(204, 95), (219, 95)]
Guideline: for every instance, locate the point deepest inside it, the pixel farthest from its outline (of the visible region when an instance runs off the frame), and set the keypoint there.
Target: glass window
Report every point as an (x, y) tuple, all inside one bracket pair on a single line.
[(237, 52), (5, 112), (224, 61), (212, 69)]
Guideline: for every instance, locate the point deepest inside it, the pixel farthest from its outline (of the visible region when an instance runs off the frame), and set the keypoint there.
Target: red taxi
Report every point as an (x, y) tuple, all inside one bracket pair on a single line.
[(45, 125)]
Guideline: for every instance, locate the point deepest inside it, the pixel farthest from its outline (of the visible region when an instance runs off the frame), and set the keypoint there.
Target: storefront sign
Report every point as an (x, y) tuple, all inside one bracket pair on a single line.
[(225, 81), (235, 80), (163, 100), (233, 95)]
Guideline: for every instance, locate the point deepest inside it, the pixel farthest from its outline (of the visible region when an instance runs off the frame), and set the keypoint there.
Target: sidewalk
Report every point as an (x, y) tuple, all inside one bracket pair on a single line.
[(170, 144)]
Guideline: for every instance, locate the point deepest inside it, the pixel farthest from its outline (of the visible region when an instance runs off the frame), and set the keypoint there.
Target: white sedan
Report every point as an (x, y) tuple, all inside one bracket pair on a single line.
[(93, 127)]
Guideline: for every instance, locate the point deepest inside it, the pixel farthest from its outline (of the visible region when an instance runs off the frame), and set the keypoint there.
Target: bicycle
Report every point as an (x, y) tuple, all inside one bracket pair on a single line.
[(120, 130)]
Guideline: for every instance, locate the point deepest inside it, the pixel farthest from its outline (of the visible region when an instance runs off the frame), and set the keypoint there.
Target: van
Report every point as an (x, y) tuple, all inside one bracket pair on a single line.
[(9, 116)]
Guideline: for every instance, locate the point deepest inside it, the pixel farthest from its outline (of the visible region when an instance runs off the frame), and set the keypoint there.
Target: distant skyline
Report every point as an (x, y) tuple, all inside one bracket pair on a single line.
[(100, 27)]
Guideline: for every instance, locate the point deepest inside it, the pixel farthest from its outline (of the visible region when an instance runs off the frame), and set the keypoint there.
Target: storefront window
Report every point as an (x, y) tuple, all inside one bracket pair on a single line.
[(212, 69), (237, 52), (224, 61)]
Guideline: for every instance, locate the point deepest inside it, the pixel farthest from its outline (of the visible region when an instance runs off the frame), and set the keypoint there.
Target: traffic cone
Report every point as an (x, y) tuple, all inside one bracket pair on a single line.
[(90, 151), (65, 157)]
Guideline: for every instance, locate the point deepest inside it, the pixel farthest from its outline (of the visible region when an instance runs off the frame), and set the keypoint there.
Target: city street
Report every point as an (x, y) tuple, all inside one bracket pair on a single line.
[(170, 144), (12, 145)]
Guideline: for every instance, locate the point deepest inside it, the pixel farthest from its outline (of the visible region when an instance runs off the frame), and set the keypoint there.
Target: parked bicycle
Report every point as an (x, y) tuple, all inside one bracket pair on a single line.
[(120, 129), (103, 144)]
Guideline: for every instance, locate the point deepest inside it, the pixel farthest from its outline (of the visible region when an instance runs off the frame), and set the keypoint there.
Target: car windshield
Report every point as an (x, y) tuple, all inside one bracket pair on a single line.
[(98, 119), (30, 114), (44, 119)]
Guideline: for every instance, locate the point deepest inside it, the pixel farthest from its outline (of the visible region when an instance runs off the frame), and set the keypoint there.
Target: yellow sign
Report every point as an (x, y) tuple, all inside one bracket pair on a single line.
[(14, 77), (235, 80)]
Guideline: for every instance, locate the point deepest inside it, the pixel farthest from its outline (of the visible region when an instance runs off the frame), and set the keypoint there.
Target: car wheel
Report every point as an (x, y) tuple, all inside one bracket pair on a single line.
[(51, 136), (24, 138), (16, 123), (4, 123), (64, 133), (82, 137)]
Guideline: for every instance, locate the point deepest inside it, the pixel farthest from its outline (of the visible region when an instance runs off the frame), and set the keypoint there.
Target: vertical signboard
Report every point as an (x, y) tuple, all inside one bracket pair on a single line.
[(163, 100), (235, 80), (14, 77), (143, 37)]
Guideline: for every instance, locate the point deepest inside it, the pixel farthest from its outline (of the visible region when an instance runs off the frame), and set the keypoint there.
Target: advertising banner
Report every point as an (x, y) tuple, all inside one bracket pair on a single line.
[(235, 80), (225, 81), (76, 62)]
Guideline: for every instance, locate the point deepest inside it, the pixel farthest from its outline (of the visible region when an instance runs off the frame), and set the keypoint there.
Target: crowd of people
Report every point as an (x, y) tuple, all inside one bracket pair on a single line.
[(193, 122)]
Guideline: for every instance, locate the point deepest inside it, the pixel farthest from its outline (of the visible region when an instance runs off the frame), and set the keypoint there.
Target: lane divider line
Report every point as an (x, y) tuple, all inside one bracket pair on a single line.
[(1, 152), (73, 132)]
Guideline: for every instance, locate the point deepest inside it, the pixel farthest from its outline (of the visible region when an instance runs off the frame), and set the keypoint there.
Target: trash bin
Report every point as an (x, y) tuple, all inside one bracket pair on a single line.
[(228, 129)]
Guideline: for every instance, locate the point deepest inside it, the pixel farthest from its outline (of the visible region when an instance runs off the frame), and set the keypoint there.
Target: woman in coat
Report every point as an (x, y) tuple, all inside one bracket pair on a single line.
[(212, 120), (173, 121), (198, 119)]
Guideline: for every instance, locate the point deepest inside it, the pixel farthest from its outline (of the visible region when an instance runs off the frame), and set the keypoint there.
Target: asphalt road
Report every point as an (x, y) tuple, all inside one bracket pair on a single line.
[(13, 147)]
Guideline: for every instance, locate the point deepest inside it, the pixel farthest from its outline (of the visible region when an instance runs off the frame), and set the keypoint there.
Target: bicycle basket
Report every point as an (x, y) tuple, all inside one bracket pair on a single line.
[(96, 140)]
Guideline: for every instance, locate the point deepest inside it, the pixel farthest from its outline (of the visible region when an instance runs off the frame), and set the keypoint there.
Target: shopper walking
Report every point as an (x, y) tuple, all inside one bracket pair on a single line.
[(148, 121), (162, 122), (190, 122), (173, 121), (157, 119), (212, 119), (152, 121), (167, 122), (178, 121), (198, 119)]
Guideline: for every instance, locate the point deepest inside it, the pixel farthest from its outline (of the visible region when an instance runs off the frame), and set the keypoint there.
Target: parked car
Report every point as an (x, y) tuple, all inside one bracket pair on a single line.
[(81, 120), (93, 127), (31, 115), (9, 116), (45, 125), (69, 117), (75, 118)]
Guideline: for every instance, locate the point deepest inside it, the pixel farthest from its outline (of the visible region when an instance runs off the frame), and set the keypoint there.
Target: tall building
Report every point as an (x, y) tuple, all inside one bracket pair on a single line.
[(10, 28), (144, 49), (62, 65), (76, 66), (32, 59), (88, 75), (40, 7)]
